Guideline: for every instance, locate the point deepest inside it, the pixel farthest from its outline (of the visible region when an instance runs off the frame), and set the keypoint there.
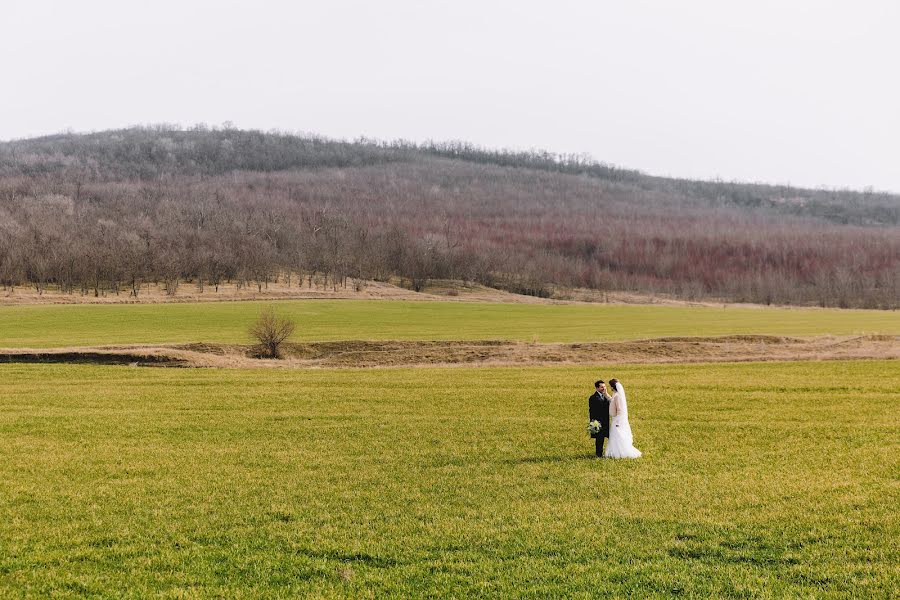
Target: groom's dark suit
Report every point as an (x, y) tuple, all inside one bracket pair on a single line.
[(598, 410)]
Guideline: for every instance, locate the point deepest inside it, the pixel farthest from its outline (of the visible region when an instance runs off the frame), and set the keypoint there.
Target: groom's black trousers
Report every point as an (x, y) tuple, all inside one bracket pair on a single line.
[(599, 441)]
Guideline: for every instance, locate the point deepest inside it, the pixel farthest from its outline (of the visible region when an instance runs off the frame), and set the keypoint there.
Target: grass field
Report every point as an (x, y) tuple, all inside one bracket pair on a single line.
[(758, 480), (227, 322)]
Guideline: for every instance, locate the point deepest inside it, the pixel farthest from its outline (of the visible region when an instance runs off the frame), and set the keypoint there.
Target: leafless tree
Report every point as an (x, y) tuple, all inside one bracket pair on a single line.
[(205, 205), (271, 330)]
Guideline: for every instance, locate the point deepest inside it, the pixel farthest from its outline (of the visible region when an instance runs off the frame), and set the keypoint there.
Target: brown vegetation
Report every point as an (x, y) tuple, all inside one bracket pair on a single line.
[(107, 214), (271, 331), (370, 354), (437, 289)]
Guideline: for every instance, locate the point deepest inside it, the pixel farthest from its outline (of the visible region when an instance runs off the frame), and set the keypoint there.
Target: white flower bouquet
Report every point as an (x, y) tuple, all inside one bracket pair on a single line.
[(594, 427)]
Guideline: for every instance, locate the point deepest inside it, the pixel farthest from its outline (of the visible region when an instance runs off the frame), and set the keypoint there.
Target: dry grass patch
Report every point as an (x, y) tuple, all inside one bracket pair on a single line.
[(360, 353)]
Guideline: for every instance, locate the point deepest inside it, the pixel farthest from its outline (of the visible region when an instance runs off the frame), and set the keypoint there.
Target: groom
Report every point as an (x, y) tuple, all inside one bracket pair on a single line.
[(598, 410)]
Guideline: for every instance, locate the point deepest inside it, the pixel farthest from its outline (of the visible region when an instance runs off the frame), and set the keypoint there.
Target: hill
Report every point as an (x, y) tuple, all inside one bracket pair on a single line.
[(92, 213)]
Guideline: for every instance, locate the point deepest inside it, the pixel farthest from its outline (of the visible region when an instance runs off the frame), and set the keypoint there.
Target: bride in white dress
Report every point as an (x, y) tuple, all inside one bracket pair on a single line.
[(621, 442)]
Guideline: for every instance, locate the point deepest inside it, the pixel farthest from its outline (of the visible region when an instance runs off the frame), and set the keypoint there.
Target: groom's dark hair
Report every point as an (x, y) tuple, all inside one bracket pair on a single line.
[(598, 382)]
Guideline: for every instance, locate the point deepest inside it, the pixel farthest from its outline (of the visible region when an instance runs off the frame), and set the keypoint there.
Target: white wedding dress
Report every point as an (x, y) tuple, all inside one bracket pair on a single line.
[(621, 442)]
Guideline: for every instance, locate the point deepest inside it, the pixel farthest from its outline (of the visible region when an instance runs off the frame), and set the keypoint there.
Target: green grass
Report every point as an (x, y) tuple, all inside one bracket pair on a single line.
[(227, 322), (758, 480)]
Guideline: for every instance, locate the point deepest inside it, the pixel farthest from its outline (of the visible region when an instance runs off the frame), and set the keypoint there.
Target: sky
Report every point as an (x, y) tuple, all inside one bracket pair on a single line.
[(794, 91)]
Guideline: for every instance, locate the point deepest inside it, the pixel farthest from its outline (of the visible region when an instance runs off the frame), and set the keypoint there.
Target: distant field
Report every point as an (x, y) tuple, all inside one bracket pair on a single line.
[(758, 480), (227, 322)]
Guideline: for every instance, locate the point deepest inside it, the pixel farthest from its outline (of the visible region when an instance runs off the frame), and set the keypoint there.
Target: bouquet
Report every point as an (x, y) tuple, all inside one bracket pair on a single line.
[(594, 427)]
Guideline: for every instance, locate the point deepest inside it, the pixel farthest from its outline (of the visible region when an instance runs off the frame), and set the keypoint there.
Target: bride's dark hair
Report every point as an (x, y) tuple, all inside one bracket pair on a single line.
[(612, 383)]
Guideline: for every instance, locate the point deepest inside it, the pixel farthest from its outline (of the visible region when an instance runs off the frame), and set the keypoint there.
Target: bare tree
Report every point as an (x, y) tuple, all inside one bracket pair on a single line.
[(163, 205), (271, 331)]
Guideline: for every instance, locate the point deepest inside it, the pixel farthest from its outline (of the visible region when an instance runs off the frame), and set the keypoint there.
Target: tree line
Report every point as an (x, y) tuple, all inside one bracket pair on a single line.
[(106, 213)]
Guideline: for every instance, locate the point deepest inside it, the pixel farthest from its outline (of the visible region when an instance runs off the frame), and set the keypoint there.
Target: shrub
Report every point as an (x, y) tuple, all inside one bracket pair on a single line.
[(271, 331)]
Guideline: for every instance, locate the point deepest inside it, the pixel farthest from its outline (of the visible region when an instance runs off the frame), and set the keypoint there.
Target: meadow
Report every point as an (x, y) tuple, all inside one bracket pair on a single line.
[(39, 326), (758, 480)]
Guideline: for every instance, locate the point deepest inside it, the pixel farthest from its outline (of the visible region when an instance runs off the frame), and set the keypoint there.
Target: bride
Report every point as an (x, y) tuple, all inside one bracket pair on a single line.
[(620, 439)]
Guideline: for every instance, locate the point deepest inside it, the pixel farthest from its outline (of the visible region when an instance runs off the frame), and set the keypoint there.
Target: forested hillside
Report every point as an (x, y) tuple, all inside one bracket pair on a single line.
[(107, 211)]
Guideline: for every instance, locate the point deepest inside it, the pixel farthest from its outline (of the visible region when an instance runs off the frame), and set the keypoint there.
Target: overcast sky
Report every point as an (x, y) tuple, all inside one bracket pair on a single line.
[(802, 92)]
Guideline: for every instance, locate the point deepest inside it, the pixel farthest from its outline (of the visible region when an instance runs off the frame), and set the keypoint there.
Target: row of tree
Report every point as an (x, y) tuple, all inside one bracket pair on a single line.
[(89, 252), (417, 217)]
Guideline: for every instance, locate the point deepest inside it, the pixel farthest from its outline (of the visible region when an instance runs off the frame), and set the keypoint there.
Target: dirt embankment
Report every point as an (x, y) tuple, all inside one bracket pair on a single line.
[(348, 354)]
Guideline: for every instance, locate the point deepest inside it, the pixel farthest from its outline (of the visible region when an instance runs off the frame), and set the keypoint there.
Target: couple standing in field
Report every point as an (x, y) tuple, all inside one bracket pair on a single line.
[(608, 417)]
